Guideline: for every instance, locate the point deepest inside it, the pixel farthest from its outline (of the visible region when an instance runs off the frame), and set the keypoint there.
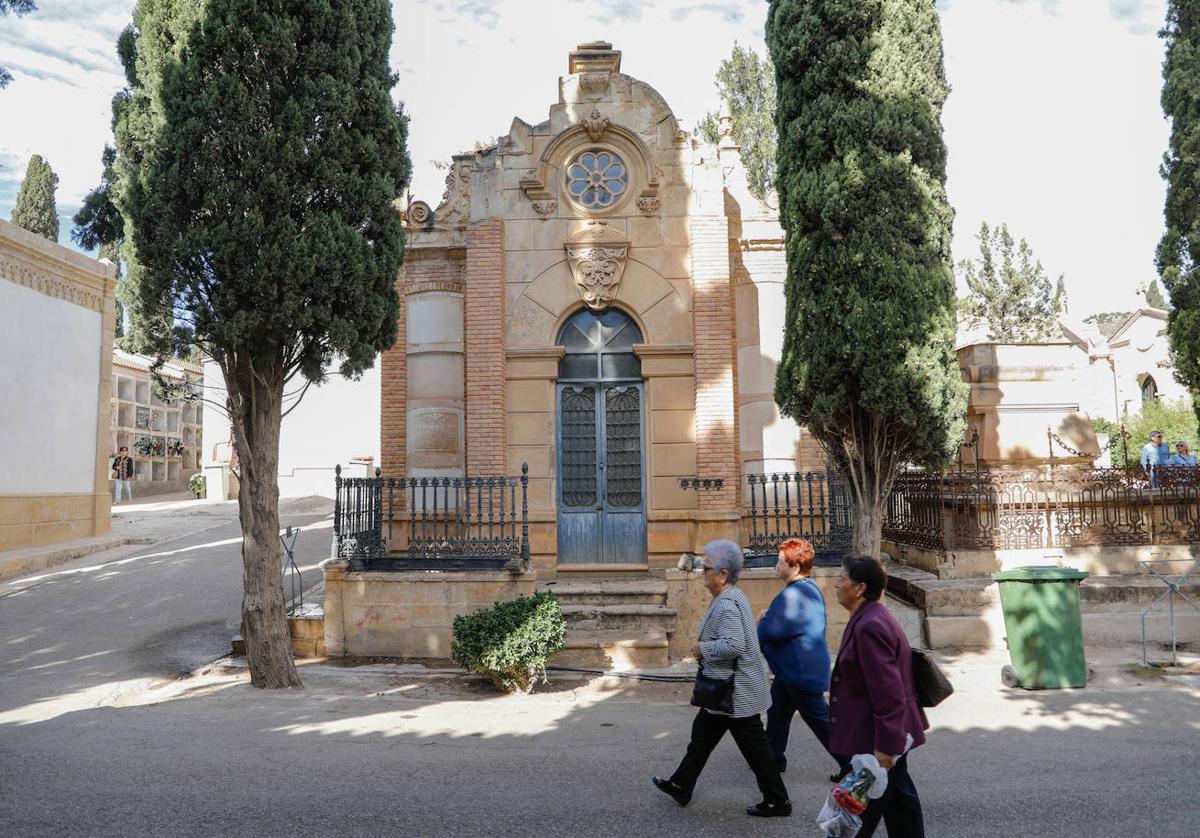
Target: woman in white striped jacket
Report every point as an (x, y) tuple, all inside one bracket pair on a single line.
[(728, 645)]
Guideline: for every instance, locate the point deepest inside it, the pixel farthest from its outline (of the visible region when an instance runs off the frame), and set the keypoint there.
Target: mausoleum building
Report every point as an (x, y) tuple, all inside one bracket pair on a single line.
[(599, 296)]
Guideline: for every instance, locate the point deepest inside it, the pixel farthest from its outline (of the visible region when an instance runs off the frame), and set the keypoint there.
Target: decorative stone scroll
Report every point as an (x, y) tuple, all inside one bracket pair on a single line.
[(597, 257)]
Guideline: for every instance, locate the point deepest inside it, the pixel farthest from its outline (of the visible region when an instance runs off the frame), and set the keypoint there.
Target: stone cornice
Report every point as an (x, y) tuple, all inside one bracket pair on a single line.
[(54, 270)]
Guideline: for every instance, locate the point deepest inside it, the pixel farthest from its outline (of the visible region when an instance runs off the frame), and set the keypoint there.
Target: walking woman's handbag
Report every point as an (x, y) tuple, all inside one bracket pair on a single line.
[(714, 694), (932, 685)]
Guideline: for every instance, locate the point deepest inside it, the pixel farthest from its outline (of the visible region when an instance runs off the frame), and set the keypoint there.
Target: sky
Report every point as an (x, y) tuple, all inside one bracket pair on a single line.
[(1053, 123)]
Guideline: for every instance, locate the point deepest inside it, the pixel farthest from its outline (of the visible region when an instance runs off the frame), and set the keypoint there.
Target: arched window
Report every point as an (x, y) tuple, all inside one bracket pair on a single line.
[(1149, 390), (599, 347)]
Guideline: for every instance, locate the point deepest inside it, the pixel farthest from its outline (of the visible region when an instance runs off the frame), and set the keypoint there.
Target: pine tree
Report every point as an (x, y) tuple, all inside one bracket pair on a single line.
[(868, 358), (746, 84), (259, 159), (1009, 290), (18, 8), (1060, 294), (1178, 256), (35, 210), (1154, 296)]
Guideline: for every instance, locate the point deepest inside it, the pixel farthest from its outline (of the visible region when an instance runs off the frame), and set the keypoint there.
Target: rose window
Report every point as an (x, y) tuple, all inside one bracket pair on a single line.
[(597, 179)]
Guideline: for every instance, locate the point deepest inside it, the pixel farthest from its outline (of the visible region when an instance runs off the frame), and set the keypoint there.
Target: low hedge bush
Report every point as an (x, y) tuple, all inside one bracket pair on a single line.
[(510, 642)]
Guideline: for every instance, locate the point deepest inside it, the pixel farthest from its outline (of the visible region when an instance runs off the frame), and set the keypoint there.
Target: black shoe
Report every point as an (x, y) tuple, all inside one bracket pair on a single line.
[(770, 810), (680, 795)]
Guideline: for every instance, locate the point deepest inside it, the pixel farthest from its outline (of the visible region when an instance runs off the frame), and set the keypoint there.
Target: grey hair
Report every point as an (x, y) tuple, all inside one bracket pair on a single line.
[(725, 555)]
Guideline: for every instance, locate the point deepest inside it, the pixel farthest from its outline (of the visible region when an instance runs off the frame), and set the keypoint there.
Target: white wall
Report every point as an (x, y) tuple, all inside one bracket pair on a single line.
[(335, 422), (49, 392)]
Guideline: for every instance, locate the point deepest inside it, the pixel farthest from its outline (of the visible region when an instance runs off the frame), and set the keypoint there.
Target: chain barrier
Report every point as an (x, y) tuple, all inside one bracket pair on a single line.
[(1112, 438)]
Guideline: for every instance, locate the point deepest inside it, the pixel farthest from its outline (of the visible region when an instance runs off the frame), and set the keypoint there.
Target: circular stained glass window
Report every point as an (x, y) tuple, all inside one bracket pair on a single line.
[(597, 179)]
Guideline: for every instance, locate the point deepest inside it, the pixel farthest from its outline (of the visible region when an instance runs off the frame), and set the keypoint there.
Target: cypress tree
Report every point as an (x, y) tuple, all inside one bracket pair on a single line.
[(259, 159), (1154, 296), (35, 210), (1179, 249), (868, 358)]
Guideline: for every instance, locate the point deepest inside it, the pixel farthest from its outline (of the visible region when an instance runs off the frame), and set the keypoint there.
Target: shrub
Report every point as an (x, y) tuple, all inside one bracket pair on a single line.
[(1176, 419), (196, 484), (510, 642)]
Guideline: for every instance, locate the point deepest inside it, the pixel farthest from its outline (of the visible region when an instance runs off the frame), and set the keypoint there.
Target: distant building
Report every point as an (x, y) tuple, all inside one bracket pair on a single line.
[(57, 317), (165, 439)]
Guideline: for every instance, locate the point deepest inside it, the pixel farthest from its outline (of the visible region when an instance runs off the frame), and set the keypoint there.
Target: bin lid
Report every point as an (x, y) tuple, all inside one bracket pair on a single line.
[(1040, 573)]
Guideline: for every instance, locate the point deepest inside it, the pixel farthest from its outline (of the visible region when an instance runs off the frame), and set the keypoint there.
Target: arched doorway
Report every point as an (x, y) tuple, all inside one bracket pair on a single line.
[(1149, 389), (601, 469)]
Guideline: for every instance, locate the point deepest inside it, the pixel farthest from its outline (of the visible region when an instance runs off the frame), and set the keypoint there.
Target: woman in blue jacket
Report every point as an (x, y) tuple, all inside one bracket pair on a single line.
[(792, 636)]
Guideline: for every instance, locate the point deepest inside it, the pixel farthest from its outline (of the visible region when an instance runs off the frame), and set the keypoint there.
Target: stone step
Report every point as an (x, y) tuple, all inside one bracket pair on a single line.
[(613, 650), (1102, 593), (608, 592), (620, 617)]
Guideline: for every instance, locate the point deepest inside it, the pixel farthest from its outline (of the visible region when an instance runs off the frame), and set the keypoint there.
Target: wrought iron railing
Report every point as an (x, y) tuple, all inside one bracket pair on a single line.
[(432, 522), (814, 505), (1049, 507)]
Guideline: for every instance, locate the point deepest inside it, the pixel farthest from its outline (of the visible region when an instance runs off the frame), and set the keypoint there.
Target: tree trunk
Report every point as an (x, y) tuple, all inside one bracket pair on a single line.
[(868, 526), (264, 619)]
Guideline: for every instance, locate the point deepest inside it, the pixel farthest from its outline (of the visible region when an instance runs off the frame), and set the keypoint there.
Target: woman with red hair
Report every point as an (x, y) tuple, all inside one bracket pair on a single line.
[(792, 636)]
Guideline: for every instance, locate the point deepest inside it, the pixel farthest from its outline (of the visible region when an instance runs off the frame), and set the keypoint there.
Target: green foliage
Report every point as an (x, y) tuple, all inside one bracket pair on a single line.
[(1154, 296), (510, 642), (1009, 291), (196, 484), (746, 84), (1178, 254), (1176, 419), (259, 156), (868, 357), (99, 226), (17, 7), (1108, 321), (35, 210)]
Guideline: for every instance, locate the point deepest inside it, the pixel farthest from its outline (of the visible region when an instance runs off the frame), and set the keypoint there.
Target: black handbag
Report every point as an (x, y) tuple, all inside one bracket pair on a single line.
[(714, 694), (932, 685)]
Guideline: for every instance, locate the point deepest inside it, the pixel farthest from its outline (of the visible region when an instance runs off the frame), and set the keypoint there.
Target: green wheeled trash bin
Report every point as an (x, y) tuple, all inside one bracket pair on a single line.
[(1043, 626)]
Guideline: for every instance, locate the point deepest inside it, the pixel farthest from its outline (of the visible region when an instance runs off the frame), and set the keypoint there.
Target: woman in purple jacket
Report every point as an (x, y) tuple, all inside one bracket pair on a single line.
[(873, 703)]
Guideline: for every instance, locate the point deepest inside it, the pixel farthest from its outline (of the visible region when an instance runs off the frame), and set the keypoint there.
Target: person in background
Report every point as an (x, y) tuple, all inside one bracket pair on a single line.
[(1155, 453), (791, 633), (122, 474), (873, 700), (728, 648), (1182, 455)]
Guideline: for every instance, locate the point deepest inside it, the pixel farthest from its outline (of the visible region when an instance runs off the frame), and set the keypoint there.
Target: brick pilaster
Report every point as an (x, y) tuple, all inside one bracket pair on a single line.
[(713, 329), (393, 403), (483, 316)]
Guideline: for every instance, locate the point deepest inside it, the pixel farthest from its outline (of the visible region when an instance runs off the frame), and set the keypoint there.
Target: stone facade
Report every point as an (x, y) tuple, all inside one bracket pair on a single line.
[(57, 318), (606, 206)]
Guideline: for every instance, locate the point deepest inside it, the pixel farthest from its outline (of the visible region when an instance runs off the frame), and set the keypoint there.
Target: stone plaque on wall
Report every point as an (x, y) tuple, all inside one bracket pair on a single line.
[(431, 430)]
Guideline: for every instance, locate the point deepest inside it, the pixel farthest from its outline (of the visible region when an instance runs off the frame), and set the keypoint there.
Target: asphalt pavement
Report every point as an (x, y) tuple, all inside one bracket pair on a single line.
[(119, 716)]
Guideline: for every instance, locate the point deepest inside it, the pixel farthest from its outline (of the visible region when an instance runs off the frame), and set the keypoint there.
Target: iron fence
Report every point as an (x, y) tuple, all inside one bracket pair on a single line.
[(813, 505), (1045, 507), (442, 523)]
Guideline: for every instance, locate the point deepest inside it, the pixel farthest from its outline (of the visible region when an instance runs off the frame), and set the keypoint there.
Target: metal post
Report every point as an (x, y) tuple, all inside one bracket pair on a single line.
[(525, 560), (337, 509)]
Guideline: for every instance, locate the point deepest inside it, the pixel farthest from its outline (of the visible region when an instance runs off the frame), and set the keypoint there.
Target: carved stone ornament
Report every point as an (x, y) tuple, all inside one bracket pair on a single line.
[(419, 214), (593, 82), (545, 208), (455, 207), (597, 257), (595, 125), (649, 205)]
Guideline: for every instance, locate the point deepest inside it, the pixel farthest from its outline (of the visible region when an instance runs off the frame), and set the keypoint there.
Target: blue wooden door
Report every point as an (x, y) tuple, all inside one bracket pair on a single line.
[(601, 467)]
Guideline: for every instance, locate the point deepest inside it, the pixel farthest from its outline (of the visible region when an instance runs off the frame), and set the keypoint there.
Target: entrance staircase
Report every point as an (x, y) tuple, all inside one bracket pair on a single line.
[(613, 624)]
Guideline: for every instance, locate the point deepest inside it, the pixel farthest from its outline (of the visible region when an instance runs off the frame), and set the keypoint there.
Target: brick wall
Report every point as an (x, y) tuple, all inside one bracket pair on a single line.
[(432, 270), (483, 315), (714, 338)]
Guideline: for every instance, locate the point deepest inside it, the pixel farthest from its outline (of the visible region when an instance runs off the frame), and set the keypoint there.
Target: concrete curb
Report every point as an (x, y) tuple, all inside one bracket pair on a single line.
[(17, 563)]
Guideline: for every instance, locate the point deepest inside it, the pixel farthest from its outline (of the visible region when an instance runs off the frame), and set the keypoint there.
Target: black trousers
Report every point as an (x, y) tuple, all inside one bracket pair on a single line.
[(707, 730), (899, 808), (786, 700)]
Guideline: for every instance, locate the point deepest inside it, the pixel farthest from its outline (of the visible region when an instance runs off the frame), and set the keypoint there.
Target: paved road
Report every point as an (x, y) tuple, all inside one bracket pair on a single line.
[(98, 738)]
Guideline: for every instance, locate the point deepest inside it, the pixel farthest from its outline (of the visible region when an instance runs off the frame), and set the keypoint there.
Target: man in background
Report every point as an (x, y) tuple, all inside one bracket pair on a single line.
[(122, 474)]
